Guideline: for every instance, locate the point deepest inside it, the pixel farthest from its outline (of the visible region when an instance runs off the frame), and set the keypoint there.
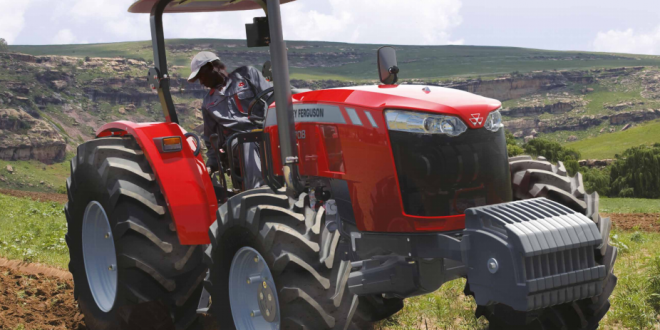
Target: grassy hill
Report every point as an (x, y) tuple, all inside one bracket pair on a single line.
[(607, 145), (343, 61)]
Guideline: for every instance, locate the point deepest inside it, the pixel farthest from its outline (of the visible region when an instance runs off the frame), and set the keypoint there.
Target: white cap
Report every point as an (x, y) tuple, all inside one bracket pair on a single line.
[(198, 62)]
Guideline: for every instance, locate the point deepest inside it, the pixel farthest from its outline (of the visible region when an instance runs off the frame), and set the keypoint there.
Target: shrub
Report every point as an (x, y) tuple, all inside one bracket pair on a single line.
[(636, 173), (596, 180), (572, 166), (552, 151), (513, 150), (512, 147)]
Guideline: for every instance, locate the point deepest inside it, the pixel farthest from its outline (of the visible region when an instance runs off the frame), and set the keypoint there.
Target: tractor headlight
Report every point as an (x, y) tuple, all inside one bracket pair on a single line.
[(494, 121), (424, 123)]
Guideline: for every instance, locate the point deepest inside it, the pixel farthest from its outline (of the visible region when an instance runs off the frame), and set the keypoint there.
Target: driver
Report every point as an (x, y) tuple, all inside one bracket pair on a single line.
[(225, 109)]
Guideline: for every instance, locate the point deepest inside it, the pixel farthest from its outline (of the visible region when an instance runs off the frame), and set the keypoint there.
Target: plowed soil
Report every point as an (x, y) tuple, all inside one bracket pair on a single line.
[(649, 222), (36, 196), (37, 302)]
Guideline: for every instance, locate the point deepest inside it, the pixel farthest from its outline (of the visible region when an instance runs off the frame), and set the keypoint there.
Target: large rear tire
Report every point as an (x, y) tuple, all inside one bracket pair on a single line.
[(303, 253), (539, 178), (156, 282)]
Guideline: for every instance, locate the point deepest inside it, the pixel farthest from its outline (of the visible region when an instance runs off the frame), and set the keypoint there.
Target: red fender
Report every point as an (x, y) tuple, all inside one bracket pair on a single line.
[(182, 177)]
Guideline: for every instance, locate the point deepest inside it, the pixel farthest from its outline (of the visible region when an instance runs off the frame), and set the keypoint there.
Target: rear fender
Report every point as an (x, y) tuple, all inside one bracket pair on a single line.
[(182, 177)]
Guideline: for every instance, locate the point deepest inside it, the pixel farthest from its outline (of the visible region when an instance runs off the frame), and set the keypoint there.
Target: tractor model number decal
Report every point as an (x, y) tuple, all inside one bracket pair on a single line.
[(314, 113), (300, 135)]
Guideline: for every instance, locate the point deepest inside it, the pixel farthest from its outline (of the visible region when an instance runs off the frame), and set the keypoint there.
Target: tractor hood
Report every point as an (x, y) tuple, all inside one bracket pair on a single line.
[(408, 97)]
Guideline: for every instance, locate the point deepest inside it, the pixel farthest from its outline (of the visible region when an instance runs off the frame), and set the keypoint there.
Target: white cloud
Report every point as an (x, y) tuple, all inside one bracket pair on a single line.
[(419, 22), (628, 42), (12, 18), (64, 37), (422, 22)]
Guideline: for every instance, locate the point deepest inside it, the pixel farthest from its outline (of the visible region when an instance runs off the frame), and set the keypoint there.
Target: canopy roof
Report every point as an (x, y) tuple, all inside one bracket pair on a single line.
[(196, 6)]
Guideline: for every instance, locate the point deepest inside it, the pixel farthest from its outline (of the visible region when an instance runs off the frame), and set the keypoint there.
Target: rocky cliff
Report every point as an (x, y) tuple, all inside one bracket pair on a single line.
[(527, 126), (23, 137), (559, 107), (60, 101)]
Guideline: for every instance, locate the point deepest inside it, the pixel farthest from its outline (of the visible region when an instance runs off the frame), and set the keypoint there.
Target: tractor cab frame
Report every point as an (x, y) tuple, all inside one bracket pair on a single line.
[(271, 35)]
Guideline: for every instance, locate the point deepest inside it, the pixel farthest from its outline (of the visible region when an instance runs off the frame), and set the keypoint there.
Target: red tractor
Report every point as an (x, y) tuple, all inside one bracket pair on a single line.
[(375, 194)]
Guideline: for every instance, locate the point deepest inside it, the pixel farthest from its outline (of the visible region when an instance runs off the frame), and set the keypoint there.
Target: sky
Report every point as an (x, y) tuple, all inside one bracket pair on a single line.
[(631, 26)]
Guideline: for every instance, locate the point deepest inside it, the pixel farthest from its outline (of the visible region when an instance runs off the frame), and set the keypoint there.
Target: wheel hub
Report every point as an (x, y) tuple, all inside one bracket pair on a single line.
[(252, 292), (267, 303), (99, 256)]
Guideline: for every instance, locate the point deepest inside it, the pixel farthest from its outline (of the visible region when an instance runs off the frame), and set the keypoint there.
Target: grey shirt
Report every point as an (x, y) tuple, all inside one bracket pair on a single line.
[(225, 111)]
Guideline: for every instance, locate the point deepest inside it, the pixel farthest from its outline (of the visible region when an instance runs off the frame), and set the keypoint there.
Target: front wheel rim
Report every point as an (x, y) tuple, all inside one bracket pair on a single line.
[(99, 256), (252, 292)]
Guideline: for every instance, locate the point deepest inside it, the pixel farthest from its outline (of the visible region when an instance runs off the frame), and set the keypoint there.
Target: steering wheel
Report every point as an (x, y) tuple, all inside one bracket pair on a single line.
[(261, 99)]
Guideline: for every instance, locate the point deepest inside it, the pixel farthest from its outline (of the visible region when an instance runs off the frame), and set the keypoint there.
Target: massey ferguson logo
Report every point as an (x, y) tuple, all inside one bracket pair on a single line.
[(476, 119), (241, 85)]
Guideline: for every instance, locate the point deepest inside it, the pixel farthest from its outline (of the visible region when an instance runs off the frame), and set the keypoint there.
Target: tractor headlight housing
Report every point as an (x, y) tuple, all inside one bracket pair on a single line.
[(424, 123), (494, 121)]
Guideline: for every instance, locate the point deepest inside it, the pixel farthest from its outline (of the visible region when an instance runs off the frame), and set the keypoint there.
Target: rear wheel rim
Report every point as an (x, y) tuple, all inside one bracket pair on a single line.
[(252, 292), (99, 256)]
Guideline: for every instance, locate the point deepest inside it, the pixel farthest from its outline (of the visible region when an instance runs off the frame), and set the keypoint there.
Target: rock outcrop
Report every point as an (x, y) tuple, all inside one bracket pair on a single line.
[(24, 137), (510, 88), (524, 126), (634, 116), (535, 110)]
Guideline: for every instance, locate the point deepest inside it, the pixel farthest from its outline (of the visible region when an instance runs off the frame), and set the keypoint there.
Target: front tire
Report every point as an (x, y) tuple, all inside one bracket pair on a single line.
[(157, 280), (539, 178), (301, 251)]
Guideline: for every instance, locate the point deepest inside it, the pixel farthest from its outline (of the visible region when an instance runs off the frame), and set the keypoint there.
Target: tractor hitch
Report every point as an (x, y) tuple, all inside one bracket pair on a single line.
[(527, 254)]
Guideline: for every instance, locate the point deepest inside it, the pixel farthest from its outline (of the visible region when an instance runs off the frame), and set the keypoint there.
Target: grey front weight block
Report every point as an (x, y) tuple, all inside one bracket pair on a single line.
[(531, 254)]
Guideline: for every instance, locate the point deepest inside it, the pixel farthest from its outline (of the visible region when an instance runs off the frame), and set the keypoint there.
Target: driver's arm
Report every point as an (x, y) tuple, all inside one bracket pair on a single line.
[(260, 83), (209, 129)]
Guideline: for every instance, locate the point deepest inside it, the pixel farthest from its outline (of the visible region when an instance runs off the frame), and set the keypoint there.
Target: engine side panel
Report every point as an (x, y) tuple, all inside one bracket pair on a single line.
[(182, 177), (368, 165)]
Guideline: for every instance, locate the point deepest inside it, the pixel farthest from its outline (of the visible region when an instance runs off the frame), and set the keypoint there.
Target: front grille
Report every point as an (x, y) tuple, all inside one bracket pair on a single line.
[(441, 175)]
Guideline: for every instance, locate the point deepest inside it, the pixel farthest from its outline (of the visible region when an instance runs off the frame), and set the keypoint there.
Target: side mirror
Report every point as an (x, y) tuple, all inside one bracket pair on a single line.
[(387, 65)]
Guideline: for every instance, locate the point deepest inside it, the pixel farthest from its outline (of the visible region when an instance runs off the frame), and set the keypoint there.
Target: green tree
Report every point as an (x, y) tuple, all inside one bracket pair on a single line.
[(3, 45), (512, 147), (596, 179), (552, 151), (636, 173)]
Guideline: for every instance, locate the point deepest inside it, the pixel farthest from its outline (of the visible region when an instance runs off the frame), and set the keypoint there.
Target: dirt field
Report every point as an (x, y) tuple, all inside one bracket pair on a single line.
[(36, 196), (37, 301), (637, 221)]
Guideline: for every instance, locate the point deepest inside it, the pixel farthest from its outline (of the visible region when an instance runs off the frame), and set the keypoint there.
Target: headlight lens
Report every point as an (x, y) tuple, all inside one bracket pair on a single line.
[(494, 121), (425, 123)]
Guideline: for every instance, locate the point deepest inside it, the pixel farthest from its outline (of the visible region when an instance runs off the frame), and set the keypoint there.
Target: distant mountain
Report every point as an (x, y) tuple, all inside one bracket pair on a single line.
[(51, 103), (342, 61)]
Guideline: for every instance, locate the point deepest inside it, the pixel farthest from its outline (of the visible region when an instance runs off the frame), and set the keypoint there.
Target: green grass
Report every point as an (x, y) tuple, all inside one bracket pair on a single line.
[(613, 95), (33, 231), (344, 61), (632, 299), (607, 145), (28, 175), (629, 205)]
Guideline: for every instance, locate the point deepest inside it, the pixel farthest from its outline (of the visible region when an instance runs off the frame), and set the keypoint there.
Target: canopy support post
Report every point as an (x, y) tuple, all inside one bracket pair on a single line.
[(283, 101), (159, 78)]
